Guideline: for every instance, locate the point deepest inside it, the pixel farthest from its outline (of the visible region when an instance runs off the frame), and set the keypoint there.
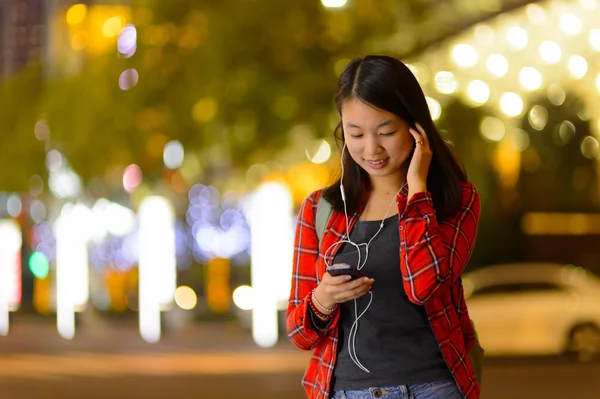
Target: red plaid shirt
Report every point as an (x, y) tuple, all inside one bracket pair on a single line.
[(432, 258)]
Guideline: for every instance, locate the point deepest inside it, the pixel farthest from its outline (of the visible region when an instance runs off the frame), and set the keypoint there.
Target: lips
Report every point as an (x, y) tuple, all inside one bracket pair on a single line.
[(378, 164)]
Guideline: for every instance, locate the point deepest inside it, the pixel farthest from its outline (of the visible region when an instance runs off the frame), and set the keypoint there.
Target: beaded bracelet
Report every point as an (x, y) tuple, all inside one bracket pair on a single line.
[(318, 312), (323, 309)]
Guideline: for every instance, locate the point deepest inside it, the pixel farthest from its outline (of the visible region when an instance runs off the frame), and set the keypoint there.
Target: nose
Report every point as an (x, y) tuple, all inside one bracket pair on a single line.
[(372, 145)]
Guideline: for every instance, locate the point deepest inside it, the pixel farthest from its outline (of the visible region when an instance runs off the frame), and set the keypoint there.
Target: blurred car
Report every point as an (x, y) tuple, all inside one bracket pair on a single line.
[(535, 309)]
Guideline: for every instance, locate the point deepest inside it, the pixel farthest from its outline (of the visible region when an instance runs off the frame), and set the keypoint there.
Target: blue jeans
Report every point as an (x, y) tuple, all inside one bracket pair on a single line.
[(429, 390)]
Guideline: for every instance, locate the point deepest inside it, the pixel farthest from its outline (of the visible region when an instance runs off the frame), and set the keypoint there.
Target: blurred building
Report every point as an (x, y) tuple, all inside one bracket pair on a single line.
[(22, 27)]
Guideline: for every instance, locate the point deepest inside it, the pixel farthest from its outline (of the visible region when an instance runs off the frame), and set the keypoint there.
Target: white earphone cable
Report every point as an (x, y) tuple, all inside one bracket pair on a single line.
[(346, 240)]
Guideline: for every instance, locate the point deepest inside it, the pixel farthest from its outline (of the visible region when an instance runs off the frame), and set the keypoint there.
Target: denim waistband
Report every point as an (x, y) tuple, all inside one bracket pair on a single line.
[(429, 390)]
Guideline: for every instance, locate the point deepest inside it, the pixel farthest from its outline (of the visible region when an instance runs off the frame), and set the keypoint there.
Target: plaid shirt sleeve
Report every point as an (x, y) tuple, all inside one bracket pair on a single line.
[(436, 253), (299, 325)]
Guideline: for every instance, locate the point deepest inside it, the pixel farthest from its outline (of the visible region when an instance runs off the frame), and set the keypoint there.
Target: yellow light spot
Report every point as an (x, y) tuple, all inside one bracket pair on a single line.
[(511, 104), (478, 91), (76, 14), (244, 297), (497, 64), (205, 110), (445, 82), (333, 3), (464, 55), (530, 78), (319, 152), (185, 297), (435, 109), (112, 26), (492, 129), (80, 40)]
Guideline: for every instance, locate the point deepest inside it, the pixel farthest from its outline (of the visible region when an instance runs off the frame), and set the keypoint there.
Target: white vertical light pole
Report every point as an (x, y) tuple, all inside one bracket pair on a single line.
[(72, 230), (10, 270), (271, 247), (157, 267)]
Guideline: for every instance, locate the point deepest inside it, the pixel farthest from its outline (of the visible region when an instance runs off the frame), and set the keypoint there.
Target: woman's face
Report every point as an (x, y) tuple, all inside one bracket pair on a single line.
[(379, 141)]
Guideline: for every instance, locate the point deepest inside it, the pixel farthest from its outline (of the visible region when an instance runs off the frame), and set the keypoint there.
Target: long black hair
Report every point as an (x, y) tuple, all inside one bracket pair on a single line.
[(388, 84)]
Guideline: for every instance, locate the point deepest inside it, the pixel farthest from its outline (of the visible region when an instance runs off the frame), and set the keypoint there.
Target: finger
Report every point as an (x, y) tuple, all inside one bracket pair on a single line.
[(340, 291), (418, 138), (358, 291), (423, 134), (338, 280), (358, 294), (356, 284)]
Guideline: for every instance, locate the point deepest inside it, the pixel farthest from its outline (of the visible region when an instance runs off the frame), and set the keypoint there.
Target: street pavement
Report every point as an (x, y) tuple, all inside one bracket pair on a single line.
[(217, 360)]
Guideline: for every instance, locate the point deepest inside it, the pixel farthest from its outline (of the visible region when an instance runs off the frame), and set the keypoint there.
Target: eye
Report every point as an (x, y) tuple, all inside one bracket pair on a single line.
[(388, 134), (356, 136)]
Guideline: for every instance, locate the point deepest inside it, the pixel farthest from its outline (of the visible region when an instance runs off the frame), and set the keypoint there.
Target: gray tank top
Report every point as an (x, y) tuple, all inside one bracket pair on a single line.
[(394, 340)]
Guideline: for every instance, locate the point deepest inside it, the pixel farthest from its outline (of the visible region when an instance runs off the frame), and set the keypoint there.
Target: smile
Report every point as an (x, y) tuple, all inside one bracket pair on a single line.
[(378, 163)]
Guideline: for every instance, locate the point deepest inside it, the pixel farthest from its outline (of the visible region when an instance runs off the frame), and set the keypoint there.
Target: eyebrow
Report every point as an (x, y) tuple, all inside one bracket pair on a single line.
[(386, 123)]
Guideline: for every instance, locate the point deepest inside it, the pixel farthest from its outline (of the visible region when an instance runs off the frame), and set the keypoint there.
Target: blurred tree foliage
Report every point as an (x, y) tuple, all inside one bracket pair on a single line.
[(229, 79), (232, 80), (21, 154)]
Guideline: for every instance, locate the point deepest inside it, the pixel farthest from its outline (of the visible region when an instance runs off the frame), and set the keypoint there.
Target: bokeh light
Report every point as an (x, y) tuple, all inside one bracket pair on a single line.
[(54, 160), (492, 129), (334, 3), (127, 41), (80, 40), (550, 52), (590, 148), (37, 211), (530, 78), (566, 133), (556, 94), (511, 104), (594, 39), (76, 14), (538, 117), (204, 110), (185, 298), (128, 79), (517, 37), (321, 154), (132, 177), (173, 154), (14, 206), (112, 26), (578, 66), (445, 82), (39, 265), (435, 109), (41, 130), (570, 24), (243, 297), (497, 64), (464, 55), (36, 185), (478, 91)]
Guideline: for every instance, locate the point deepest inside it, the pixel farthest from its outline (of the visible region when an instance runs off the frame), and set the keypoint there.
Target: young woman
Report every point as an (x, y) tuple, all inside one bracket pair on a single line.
[(405, 216)]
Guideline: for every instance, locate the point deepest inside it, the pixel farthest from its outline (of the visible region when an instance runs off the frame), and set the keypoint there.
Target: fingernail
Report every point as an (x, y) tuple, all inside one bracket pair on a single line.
[(346, 278)]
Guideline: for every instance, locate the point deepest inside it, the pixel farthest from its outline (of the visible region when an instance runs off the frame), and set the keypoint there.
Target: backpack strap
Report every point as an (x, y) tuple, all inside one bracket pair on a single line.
[(324, 212)]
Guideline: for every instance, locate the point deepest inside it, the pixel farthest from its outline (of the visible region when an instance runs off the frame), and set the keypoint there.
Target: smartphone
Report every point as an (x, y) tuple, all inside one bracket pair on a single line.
[(343, 270)]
